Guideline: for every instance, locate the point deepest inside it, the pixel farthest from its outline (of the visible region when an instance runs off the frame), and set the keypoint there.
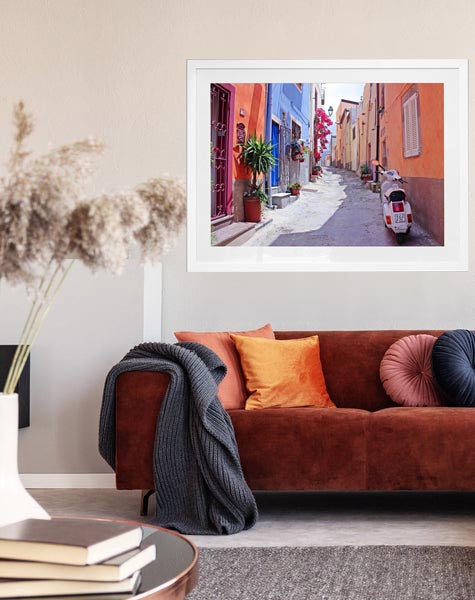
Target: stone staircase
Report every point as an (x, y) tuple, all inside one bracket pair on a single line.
[(233, 234)]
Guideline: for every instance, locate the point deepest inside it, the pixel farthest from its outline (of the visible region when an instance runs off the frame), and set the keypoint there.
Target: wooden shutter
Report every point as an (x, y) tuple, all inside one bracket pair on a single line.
[(412, 145)]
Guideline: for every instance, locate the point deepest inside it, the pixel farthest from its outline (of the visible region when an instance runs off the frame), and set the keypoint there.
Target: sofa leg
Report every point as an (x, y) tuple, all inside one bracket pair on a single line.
[(144, 502)]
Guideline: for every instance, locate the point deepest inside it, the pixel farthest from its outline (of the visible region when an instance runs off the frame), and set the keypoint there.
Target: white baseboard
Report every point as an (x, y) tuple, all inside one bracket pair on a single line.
[(68, 480)]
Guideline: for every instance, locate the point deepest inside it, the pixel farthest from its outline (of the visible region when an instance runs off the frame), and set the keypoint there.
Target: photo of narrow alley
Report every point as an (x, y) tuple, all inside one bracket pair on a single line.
[(327, 164)]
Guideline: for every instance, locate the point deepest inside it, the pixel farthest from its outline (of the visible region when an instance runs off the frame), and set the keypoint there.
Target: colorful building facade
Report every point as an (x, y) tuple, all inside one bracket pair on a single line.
[(289, 123), (282, 113), (412, 141), (237, 111), (345, 119), (402, 126), (333, 150), (367, 125)]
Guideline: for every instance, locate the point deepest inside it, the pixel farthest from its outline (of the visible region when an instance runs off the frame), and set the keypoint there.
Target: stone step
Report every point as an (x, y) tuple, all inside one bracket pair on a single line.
[(222, 222), (282, 199), (234, 234)]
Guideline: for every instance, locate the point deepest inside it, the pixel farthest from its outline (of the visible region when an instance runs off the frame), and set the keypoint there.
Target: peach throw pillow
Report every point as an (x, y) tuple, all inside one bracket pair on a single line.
[(232, 390), (282, 373)]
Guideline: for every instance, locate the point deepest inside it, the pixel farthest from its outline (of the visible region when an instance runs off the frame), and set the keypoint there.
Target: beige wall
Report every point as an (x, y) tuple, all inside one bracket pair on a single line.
[(116, 68)]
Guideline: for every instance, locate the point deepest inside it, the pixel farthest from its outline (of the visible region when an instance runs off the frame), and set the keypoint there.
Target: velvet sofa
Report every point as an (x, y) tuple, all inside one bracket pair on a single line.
[(367, 443)]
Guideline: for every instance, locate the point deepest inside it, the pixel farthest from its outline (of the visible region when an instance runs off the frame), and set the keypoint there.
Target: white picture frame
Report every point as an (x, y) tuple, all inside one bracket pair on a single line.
[(202, 256)]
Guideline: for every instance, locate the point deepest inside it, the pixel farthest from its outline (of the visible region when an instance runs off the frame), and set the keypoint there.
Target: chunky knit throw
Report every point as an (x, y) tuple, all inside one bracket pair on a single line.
[(199, 483)]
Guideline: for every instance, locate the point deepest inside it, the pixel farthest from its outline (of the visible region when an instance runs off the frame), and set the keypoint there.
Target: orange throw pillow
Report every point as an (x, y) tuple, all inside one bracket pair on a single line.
[(282, 373), (232, 390)]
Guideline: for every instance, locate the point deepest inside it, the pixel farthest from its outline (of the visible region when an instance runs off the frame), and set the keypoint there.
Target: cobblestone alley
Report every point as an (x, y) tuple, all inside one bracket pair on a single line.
[(338, 210)]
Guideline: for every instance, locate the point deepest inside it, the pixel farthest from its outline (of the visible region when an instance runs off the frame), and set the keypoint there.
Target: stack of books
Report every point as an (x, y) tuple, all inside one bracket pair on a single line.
[(71, 557)]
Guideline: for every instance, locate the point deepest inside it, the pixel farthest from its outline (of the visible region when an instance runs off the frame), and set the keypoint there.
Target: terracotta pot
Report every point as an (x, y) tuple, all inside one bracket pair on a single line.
[(252, 209), (295, 191)]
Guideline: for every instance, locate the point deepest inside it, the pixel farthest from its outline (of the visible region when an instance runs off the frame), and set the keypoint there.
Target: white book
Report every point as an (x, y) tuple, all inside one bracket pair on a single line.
[(68, 541), (115, 569), (27, 588)]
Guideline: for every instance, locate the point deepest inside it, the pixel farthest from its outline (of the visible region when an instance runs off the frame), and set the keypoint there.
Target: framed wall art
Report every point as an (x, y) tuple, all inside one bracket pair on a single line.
[(327, 165)]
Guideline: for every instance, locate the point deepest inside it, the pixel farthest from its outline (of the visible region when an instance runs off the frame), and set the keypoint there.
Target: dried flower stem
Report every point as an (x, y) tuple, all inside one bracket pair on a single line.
[(24, 333), (40, 309), (39, 323), (22, 348)]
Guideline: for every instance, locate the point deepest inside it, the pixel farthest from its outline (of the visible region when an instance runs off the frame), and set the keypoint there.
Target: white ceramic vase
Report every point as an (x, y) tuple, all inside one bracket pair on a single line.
[(16, 503)]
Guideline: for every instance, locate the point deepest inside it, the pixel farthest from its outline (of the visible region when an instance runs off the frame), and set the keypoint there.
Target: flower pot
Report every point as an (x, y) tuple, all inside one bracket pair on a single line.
[(295, 191), (16, 503), (252, 209)]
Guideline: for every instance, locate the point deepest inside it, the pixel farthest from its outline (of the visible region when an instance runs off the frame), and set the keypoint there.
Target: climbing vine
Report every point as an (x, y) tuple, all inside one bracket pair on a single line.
[(321, 131)]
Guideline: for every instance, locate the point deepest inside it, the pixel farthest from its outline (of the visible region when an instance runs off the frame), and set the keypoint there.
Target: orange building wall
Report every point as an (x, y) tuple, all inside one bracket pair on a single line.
[(343, 134), (364, 127), (430, 163), (367, 125), (424, 173), (252, 98)]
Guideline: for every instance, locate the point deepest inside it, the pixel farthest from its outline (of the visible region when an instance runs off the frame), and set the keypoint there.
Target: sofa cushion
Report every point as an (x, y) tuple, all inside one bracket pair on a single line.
[(453, 361), (282, 373), (406, 372), (412, 448), (350, 361), (302, 448), (232, 390)]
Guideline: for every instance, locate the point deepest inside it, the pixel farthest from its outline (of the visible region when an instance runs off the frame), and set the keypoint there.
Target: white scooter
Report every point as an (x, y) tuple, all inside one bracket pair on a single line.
[(397, 212)]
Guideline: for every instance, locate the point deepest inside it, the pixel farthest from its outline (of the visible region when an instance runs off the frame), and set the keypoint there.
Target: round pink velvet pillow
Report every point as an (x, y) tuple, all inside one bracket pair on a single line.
[(406, 372)]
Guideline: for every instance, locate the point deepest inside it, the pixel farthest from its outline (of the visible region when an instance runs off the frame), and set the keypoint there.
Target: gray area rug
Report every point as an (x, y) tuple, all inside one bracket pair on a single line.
[(337, 573)]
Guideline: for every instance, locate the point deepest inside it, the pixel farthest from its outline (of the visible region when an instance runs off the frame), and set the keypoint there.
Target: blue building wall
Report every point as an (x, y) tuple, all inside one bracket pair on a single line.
[(295, 103)]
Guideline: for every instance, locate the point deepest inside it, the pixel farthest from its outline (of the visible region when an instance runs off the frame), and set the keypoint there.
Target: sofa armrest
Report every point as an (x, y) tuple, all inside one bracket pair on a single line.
[(139, 396)]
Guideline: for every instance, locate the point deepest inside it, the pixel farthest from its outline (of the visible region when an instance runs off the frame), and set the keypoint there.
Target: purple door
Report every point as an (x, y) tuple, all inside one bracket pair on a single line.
[(221, 148), (275, 175)]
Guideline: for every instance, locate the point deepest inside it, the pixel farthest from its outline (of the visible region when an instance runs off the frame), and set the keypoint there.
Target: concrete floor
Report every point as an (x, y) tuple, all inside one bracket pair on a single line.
[(307, 518), (337, 210)]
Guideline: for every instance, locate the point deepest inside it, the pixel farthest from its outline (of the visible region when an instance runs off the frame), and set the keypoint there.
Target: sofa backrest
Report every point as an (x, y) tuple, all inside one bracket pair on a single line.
[(350, 361)]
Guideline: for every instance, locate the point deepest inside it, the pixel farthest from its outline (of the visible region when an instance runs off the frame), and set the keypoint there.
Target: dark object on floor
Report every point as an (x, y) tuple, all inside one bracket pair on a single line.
[(337, 573), (199, 484), (453, 357), (146, 495), (23, 387)]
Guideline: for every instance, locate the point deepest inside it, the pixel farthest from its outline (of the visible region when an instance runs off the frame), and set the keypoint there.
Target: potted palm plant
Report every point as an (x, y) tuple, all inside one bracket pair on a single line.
[(256, 154)]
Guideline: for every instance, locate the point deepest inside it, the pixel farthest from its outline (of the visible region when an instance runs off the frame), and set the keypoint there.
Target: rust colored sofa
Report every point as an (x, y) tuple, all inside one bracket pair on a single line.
[(367, 443)]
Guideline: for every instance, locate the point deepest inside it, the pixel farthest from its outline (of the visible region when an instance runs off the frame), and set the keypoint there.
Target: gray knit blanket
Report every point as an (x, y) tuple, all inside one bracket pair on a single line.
[(199, 483)]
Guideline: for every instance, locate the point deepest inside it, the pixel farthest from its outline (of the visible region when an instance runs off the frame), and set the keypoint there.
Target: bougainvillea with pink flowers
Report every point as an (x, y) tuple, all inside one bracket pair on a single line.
[(321, 131)]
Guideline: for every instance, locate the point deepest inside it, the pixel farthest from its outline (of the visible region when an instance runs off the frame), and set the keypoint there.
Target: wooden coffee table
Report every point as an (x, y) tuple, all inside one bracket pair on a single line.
[(171, 576)]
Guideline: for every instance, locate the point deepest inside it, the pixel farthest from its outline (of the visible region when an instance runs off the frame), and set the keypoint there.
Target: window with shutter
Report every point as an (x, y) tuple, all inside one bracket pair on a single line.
[(411, 139)]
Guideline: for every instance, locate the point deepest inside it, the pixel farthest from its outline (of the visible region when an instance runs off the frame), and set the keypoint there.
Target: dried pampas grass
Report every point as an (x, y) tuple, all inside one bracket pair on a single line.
[(45, 219)]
